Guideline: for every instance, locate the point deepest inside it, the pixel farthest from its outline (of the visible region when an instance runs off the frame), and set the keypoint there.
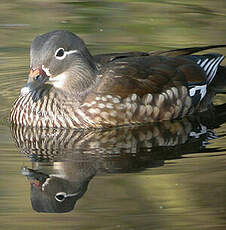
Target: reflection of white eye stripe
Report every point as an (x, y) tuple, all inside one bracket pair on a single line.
[(61, 196)]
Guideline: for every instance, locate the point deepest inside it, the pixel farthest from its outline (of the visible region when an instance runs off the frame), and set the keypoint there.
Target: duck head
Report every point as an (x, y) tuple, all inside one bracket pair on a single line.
[(60, 59)]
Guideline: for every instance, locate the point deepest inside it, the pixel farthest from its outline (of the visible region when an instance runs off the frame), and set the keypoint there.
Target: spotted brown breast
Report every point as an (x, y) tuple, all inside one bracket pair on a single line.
[(101, 110)]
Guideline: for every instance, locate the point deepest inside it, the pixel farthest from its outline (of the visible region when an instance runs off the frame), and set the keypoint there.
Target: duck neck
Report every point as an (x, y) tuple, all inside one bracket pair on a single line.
[(80, 79)]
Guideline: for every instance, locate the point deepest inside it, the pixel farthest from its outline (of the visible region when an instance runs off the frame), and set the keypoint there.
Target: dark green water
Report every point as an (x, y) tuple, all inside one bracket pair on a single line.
[(158, 177)]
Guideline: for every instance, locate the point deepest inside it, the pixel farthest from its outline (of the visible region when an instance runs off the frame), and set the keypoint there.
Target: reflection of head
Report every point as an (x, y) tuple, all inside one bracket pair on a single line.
[(54, 194), (54, 199)]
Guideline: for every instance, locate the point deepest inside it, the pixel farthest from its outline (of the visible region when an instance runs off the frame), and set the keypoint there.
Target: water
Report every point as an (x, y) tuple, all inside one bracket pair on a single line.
[(165, 176)]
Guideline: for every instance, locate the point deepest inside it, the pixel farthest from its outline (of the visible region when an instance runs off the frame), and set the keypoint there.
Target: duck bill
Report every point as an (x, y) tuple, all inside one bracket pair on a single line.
[(36, 79), (37, 74), (36, 179)]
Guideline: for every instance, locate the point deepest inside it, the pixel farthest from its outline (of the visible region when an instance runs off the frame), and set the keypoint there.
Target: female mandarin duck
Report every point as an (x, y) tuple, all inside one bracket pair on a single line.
[(67, 87)]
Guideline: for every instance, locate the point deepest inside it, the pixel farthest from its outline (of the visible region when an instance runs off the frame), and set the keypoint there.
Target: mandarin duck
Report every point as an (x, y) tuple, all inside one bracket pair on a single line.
[(67, 87)]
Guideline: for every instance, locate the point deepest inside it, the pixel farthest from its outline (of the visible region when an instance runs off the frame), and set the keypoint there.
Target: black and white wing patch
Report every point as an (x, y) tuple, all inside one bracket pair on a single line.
[(209, 63)]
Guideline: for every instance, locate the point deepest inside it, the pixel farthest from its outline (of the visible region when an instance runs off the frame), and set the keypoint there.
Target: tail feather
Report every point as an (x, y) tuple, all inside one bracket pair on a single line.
[(219, 82)]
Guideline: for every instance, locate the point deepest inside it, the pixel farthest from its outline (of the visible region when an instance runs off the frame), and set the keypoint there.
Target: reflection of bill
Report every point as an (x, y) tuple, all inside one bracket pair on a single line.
[(64, 161)]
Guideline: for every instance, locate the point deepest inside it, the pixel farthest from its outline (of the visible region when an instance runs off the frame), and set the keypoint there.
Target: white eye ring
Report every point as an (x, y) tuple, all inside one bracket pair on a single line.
[(60, 54)]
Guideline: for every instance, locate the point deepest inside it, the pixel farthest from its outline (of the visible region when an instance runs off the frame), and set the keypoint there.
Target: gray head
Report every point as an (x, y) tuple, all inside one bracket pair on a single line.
[(61, 59)]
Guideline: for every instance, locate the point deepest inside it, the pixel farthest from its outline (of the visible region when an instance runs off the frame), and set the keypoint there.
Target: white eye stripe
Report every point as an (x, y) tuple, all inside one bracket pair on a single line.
[(71, 52), (65, 53)]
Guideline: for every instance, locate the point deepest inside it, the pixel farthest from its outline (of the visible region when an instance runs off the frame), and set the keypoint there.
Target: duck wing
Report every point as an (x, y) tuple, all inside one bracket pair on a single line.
[(155, 74), (102, 59)]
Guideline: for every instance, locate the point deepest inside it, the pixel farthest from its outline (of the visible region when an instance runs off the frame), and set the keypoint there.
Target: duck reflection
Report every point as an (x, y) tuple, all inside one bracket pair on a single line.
[(60, 188), (64, 161)]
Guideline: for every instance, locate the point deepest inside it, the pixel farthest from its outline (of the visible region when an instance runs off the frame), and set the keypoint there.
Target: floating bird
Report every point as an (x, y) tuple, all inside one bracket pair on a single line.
[(67, 87)]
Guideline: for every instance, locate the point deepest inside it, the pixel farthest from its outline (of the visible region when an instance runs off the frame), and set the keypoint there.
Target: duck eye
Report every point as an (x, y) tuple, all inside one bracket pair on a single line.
[(60, 54), (61, 196)]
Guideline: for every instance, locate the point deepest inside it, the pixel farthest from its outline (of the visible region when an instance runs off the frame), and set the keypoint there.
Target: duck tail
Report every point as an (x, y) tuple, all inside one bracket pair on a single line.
[(209, 63), (219, 81)]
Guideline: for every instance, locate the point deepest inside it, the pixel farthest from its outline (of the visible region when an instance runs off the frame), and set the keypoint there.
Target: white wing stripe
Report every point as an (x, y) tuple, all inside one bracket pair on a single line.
[(208, 64), (214, 70), (204, 62), (199, 61), (213, 74), (213, 64)]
